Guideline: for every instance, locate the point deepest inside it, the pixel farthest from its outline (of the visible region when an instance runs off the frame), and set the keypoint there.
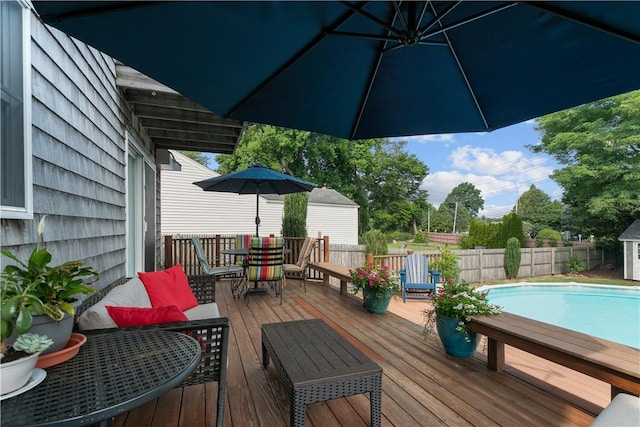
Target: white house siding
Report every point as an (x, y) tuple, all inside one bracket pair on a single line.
[(338, 222), (187, 209), (78, 157)]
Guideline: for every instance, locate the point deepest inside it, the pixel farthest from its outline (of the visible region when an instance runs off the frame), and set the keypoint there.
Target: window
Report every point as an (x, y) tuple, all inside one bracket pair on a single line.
[(15, 124)]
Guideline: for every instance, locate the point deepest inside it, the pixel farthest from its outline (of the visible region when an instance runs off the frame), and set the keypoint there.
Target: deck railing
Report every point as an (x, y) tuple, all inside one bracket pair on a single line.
[(179, 250)]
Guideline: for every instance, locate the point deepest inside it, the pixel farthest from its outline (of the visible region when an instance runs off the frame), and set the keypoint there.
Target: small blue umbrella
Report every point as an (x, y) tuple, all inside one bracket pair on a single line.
[(256, 179)]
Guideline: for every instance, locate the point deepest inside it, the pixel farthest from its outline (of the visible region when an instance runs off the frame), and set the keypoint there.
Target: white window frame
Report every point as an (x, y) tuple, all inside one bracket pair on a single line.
[(26, 212)]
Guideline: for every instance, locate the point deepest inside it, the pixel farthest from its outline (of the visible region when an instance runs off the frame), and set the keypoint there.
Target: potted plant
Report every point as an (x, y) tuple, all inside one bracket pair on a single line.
[(378, 285), (36, 296), (18, 361), (453, 305)]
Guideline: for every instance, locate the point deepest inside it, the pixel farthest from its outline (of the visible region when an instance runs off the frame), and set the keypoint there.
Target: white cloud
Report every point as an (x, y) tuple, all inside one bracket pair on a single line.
[(440, 184), (495, 211), (501, 177)]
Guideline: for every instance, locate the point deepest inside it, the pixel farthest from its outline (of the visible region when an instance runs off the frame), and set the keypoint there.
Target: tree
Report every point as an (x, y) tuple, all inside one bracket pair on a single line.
[(536, 207), (197, 156), (468, 200), (294, 221), (377, 174), (599, 145), (511, 227), (396, 201)]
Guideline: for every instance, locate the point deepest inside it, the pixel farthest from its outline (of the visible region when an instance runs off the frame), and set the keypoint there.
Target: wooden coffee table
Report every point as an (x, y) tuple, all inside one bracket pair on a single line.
[(315, 364)]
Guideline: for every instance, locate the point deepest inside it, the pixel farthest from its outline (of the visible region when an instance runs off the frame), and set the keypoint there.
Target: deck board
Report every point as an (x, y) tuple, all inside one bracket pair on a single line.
[(421, 385)]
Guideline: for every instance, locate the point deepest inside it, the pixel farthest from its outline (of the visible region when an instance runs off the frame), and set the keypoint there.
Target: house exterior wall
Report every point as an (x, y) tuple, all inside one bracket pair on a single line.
[(79, 124), (187, 209), (340, 223)]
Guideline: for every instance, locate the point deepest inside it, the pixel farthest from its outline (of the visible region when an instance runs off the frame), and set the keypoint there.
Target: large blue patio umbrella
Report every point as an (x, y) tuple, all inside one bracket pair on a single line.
[(371, 69), (256, 179)]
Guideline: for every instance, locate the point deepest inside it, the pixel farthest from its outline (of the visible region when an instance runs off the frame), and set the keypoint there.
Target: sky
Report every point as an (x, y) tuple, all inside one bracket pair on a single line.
[(497, 163)]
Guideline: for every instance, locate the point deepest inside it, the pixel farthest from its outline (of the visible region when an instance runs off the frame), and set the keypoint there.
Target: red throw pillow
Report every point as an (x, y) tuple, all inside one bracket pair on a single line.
[(138, 316), (169, 287)]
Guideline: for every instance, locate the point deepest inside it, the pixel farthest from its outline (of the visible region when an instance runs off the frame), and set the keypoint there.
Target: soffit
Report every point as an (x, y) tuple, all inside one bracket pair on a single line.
[(173, 121)]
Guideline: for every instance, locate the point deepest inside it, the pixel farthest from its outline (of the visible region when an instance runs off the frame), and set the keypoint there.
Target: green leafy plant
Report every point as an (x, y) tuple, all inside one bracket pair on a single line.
[(575, 265), (447, 266), (375, 242), (34, 287), (378, 279), (512, 258), (294, 221), (458, 301), (32, 343)]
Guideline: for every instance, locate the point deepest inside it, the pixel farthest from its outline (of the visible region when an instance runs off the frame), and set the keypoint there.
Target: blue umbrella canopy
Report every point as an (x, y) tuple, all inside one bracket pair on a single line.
[(371, 69), (256, 179)]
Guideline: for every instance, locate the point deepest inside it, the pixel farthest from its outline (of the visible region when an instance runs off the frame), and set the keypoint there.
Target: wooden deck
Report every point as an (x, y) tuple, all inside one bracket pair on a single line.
[(422, 386)]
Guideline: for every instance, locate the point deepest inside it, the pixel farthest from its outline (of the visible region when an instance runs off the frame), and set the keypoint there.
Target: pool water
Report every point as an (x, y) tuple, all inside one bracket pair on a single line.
[(609, 312)]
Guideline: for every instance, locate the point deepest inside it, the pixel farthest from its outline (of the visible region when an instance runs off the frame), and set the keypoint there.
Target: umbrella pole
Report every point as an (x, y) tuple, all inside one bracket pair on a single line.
[(257, 210)]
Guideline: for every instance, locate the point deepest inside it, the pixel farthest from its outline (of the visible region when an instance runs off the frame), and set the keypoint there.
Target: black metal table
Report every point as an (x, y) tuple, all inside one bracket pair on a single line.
[(315, 364), (111, 374)]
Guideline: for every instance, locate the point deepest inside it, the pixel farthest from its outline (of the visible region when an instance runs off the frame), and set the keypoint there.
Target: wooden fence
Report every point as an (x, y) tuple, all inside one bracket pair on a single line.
[(476, 265)]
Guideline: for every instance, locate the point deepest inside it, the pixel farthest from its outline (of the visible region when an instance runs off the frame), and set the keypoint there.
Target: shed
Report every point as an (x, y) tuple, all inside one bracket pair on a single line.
[(630, 239), (187, 209)]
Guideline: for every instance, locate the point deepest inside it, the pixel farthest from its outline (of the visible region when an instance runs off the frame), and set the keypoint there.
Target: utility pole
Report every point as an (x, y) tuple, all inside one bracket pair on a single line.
[(429, 219), (455, 215)]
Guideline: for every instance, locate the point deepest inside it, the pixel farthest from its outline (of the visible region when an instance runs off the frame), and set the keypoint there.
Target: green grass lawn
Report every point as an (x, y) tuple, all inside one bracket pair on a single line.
[(433, 246)]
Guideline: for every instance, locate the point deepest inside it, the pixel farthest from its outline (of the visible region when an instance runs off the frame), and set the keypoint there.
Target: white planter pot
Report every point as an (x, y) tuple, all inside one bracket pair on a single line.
[(14, 375)]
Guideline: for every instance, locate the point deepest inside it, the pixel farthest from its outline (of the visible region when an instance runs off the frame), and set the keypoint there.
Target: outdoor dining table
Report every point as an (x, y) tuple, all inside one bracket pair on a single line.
[(111, 374)]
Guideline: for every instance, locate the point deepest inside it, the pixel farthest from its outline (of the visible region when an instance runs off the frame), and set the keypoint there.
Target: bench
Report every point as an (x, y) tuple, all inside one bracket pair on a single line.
[(315, 364), (329, 269), (607, 361)]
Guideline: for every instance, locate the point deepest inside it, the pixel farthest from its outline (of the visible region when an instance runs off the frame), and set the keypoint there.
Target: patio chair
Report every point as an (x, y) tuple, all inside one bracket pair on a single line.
[(416, 280), (243, 241), (299, 269), (234, 272), (265, 263)]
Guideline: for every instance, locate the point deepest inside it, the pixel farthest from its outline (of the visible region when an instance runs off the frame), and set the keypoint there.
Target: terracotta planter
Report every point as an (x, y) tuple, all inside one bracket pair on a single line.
[(14, 375)]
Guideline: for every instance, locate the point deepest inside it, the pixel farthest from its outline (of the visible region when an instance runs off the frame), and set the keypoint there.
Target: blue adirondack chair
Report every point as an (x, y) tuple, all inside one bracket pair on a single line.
[(417, 281)]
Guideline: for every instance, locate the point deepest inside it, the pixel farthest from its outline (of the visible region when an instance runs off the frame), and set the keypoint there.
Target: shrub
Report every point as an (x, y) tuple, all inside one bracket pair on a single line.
[(422, 237), (512, 258), (575, 265), (447, 266), (294, 222), (549, 234), (375, 242), (511, 227)]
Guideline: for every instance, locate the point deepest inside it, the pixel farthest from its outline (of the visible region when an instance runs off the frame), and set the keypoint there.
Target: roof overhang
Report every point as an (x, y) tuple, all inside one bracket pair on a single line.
[(173, 121)]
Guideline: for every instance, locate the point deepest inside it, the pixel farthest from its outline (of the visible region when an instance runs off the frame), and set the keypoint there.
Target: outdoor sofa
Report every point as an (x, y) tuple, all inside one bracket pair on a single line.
[(204, 324)]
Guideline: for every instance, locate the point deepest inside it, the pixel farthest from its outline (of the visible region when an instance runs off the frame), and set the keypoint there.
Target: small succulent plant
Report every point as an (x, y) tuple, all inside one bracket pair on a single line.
[(32, 343)]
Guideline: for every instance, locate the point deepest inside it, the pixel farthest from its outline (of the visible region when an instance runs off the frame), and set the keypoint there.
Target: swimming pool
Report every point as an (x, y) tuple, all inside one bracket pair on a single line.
[(609, 312)]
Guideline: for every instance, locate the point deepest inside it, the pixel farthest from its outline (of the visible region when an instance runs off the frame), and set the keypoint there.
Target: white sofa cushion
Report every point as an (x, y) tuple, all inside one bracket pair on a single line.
[(129, 294), (203, 311), (622, 411)]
